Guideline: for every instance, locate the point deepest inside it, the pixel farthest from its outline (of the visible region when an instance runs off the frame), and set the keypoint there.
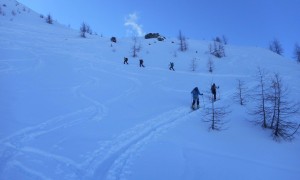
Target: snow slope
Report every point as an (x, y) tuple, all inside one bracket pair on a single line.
[(70, 108)]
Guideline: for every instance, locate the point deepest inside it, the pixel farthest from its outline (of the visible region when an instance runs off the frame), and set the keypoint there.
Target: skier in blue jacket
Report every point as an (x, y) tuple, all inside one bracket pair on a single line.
[(195, 93)]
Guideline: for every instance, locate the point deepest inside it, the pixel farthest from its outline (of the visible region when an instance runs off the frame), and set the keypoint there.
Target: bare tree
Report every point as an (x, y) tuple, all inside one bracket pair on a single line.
[(89, 29), (240, 95), (49, 19), (217, 49), (282, 127), (276, 47), (83, 30), (224, 39), (215, 116), (210, 65), (260, 111), (297, 53), (217, 39), (136, 46), (182, 42), (194, 64)]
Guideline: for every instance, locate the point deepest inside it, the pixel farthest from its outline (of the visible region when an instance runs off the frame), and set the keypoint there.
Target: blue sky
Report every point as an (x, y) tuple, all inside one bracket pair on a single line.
[(243, 22)]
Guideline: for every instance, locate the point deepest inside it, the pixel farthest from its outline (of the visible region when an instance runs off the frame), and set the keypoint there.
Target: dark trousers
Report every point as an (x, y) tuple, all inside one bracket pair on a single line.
[(194, 101), (215, 98)]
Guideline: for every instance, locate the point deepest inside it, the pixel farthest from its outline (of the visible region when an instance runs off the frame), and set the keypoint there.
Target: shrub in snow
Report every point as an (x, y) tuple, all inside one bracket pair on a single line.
[(83, 30), (49, 19), (217, 49), (276, 47), (297, 53)]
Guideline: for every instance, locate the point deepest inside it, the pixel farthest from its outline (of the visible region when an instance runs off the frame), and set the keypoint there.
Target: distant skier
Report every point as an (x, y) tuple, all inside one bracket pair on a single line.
[(171, 66), (142, 63), (125, 60), (214, 91), (195, 93)]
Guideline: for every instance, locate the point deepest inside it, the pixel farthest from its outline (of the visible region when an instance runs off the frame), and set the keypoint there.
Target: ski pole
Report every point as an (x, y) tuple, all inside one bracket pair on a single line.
[(203, 101)]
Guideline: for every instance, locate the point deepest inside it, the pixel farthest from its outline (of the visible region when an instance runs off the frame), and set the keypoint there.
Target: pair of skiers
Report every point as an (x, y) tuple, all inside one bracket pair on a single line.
[(195, 94), (141, 62)]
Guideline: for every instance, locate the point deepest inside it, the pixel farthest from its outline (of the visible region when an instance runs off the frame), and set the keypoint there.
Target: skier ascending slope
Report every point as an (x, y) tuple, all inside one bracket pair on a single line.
[(171, 66), (142, 63), (195, 93), (214, 91)]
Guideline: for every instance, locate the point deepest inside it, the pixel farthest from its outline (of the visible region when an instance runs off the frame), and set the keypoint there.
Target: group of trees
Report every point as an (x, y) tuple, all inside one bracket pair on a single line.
[(276, 47), (218, 47), (273, 108), (85, 28)]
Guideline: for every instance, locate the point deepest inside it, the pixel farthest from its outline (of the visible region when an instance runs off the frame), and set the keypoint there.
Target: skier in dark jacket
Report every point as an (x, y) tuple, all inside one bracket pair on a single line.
[(214, 91), (171, 66), (125, 60), (195, 93), (142, 63)]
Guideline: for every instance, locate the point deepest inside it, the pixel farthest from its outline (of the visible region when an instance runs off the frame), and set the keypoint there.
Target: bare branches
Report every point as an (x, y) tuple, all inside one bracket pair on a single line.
[(276, 47), (49, 19), (282, 111), (136, 47), (240, 95), (273, 109), (215, 116), (218, 48), (260, 96), (182, 42), (297, 53)]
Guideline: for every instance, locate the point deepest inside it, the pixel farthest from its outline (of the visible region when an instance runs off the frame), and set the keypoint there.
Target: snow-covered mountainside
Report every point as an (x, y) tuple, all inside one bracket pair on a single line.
[(70, 108)]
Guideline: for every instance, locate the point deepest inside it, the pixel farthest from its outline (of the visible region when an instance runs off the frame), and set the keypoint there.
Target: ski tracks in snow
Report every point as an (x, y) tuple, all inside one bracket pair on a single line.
[(112, 159)]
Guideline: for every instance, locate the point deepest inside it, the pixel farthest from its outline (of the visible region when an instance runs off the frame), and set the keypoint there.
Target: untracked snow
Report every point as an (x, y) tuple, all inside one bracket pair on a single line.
[(70, 108)]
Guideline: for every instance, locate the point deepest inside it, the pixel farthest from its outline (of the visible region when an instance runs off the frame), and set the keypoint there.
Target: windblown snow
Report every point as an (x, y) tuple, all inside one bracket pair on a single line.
[(70, 108)]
